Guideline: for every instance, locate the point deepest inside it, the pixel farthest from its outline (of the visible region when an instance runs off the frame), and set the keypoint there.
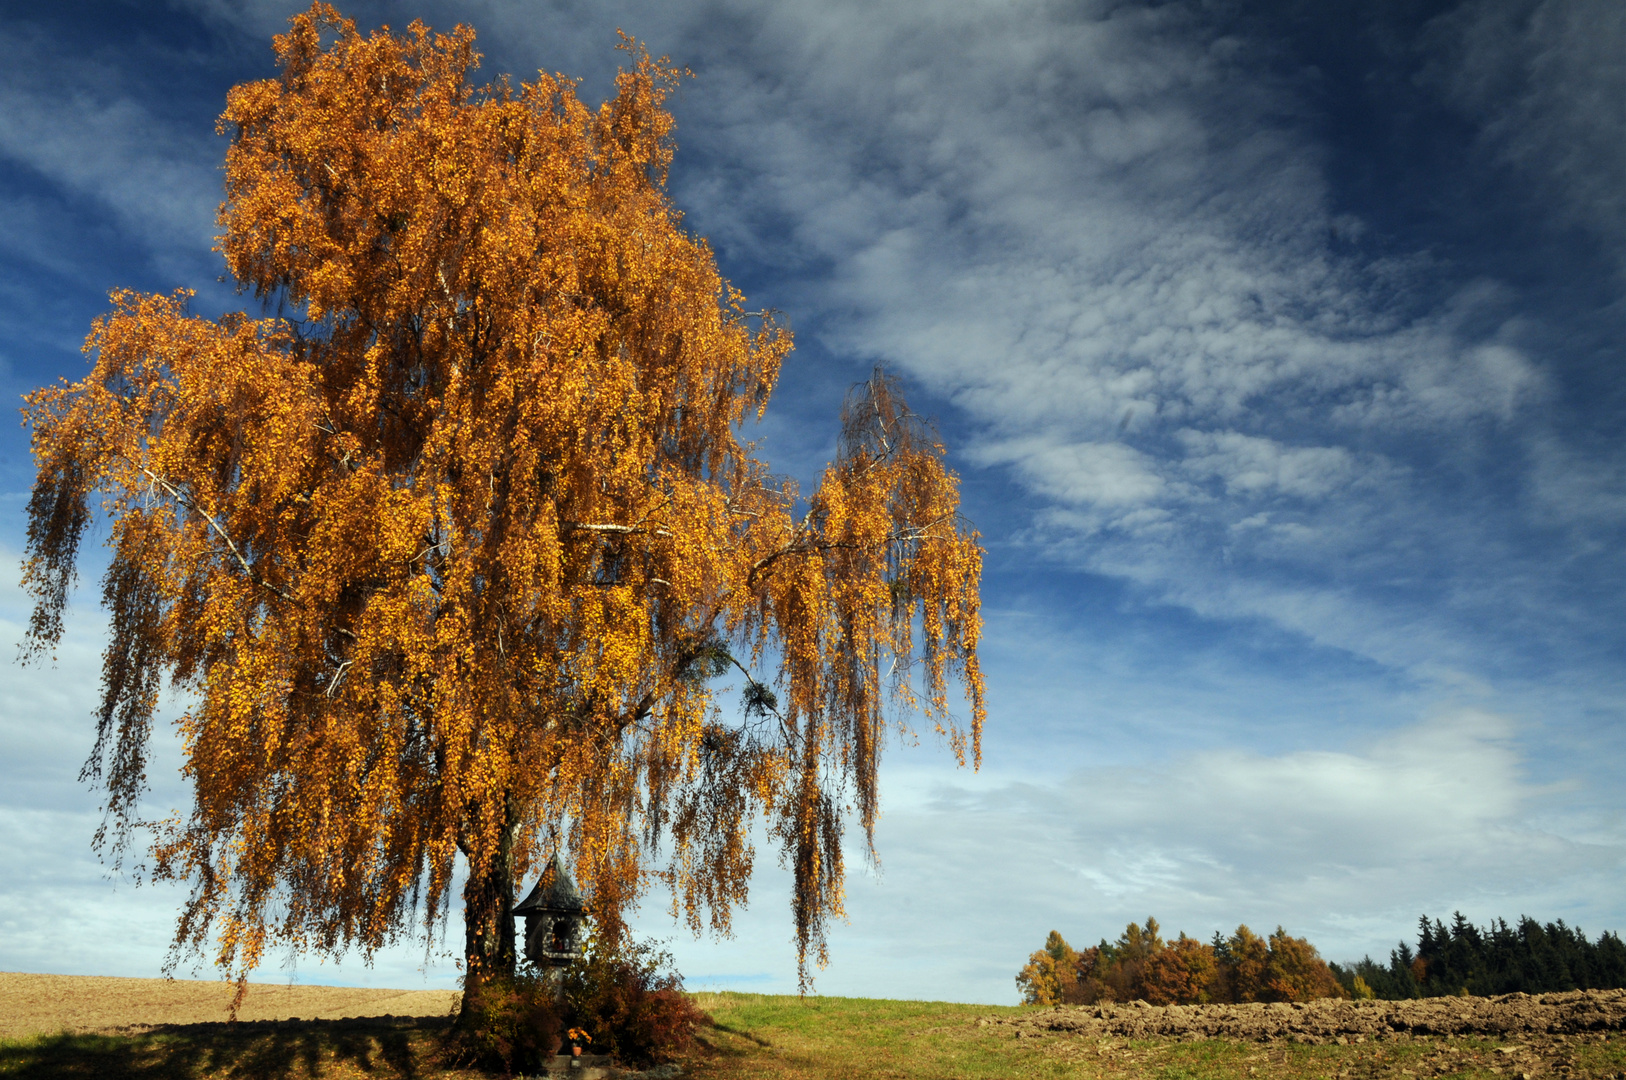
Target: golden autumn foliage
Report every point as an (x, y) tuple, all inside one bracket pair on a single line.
[(1050, 976), (1296, 972), (456, 550), (1181, 973), (1141, 966)]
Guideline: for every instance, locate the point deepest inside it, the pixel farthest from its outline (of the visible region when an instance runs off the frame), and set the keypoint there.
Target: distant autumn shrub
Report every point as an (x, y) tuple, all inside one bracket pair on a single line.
[(1294, 971), (1179, 974), (1051, 974)]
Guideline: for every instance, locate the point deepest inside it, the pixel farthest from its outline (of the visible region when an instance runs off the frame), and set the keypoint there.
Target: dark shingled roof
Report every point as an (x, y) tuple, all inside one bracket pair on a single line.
[(560, 897)]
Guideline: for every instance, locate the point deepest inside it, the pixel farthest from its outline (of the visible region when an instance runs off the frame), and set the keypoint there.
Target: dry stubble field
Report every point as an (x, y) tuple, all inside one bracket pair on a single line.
[(156, 1030), (47, 1004)]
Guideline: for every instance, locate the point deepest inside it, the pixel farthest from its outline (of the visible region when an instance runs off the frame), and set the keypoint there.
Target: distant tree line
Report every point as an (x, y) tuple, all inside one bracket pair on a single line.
[(1499, 959), (1449, 960), (1141, 966)]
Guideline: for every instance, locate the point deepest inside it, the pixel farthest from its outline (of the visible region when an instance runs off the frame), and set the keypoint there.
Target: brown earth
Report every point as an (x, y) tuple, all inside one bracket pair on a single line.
[(42, 1004), (1509, 1016)]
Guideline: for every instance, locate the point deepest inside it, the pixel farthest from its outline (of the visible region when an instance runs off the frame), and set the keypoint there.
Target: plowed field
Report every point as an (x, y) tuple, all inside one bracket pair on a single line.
[(1507, 1016)]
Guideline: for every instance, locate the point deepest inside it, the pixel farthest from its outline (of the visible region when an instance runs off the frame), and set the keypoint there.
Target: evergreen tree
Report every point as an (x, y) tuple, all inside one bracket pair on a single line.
[(1531, 958)]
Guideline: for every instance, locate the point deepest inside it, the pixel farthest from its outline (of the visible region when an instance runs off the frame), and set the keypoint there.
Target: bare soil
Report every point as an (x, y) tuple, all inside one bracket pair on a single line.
[(46, 1004), (1509, 1016)]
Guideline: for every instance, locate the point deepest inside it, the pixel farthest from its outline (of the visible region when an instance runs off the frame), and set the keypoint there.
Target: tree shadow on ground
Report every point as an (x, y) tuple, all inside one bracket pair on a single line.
[(379, 1049)]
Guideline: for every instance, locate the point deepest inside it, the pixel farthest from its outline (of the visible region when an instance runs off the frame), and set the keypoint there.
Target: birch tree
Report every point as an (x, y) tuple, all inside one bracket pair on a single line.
[(458, 550)]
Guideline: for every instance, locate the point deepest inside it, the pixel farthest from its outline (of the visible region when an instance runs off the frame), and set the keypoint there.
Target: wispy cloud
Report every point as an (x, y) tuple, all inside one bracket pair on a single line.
[(1106, 236), (100, 142), (1544, 81)]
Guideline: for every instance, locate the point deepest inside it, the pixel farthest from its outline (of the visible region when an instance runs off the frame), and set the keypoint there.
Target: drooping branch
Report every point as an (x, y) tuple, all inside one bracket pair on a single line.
[(820, 547), (220, 530)]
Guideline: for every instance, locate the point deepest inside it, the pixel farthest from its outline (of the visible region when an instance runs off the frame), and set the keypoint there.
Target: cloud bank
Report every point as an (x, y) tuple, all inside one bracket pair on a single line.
[(1345, 846)]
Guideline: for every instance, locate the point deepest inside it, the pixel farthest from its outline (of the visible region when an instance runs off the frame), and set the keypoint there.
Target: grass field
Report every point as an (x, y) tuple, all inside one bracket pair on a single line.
[(819, 1039), (827, 1038)]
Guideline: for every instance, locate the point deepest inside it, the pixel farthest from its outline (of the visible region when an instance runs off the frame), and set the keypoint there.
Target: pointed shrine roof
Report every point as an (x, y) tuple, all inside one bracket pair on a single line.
[(558, 898)]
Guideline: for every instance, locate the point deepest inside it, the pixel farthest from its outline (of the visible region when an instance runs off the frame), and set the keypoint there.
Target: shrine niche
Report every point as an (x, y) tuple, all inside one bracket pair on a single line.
[(553, 914)]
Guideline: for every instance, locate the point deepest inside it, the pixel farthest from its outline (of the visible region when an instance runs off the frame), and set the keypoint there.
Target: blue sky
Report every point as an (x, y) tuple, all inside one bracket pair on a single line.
[(1278, 349)]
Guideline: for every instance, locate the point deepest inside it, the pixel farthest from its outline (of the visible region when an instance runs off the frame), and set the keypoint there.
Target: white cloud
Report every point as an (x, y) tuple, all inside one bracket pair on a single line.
[(992, 230), (1576, 487), (1344, 845), (1093, 474), (1331, 615), (98, 141), (255, 19), (1249, 466), (1107, 238)]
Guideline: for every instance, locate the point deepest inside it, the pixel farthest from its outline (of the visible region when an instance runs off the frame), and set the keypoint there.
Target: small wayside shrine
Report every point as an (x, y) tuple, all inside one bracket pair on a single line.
[(553, 915)]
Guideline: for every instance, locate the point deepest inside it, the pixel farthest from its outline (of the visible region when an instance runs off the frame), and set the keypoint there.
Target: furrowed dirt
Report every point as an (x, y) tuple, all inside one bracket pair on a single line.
[(1331, 1021)]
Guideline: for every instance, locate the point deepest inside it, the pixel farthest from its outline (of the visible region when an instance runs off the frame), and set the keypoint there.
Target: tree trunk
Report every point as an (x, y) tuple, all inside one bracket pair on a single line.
[(488, 928)]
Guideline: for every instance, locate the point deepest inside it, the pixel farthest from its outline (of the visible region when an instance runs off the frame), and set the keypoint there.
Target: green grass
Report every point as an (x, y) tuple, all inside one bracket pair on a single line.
[(758, 1035), (824, 1038), (836, 1038)]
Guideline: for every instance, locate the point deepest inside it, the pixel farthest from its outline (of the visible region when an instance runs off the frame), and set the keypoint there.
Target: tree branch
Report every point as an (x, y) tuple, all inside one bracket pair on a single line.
[(805, 547), (619, 530), (181, 497)]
